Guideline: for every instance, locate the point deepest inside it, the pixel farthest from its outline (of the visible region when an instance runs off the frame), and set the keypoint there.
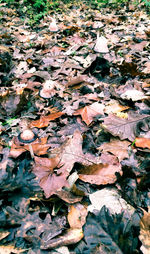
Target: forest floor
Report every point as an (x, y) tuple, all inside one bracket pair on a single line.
[(75, 131)]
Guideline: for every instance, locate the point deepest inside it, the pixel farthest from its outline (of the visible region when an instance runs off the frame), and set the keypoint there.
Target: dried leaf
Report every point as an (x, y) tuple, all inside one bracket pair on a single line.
[(44, 120), (72, 236), (50, 181), (142, 142), (116, 147), (111, 198), (89, 112), (71, 152), (125, 128), (114, 107), (101, 45), (39, 147), (68, 196), (77, 215), (145, 232), (133, 95), (100, 173)]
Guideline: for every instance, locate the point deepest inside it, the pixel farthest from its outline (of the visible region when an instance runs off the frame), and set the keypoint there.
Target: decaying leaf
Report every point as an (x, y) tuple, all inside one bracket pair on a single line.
[(114, 107), (110, 198), (142, 142), (145, 232), (46, 171), (77, 215), (10, 249), (100, 173), (68, 196), (119, 238), (89, 112), (72, 236), (125, 128), (133, 95), (71, 152), (116, 147), (101, 45), (44, 120)]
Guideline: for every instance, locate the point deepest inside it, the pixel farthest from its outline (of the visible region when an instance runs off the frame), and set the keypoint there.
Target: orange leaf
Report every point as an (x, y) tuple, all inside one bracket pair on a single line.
[(89, 112), (143, 142), (44, 120), (39, 147), (77, 215)]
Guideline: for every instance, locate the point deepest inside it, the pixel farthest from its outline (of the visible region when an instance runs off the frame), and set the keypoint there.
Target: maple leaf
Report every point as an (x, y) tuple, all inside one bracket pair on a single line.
[(89, 112), (125, 128), (52, 172), (50, 181)]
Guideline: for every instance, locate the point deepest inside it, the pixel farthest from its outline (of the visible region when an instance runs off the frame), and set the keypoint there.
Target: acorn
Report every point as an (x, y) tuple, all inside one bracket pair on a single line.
[(27, 136)]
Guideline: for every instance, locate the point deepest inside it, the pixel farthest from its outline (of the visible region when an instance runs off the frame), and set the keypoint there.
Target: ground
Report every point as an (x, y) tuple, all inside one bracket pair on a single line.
[(74, 130)]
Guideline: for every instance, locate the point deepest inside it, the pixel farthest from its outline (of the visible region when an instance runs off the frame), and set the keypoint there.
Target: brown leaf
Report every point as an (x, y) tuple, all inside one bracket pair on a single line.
[(50, 181), (77, 215), (68, 196), (72, 236), (116, 147), (44, 120), (39, 147), (71, 152), (76, 80), (124, 128), (89, 112), (99, 173), (145, 232)]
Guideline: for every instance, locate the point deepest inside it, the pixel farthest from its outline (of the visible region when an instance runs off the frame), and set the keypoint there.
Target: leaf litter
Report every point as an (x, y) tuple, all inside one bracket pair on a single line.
[(80, 82)]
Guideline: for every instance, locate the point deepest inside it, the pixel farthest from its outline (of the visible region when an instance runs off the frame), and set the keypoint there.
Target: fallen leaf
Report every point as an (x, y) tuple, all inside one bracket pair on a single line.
[(10, 249), (142, 142), (71, 152), (116, 147), (89, 112), (100, 173), (133, 95), (53, 26), (68, 196), (101, 45), (114, 107), (39, 147), (44, 120), (111, 198), (98, 230), (72, 236), (46, 171), (125, 128), (77, 215), (145, 232)]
